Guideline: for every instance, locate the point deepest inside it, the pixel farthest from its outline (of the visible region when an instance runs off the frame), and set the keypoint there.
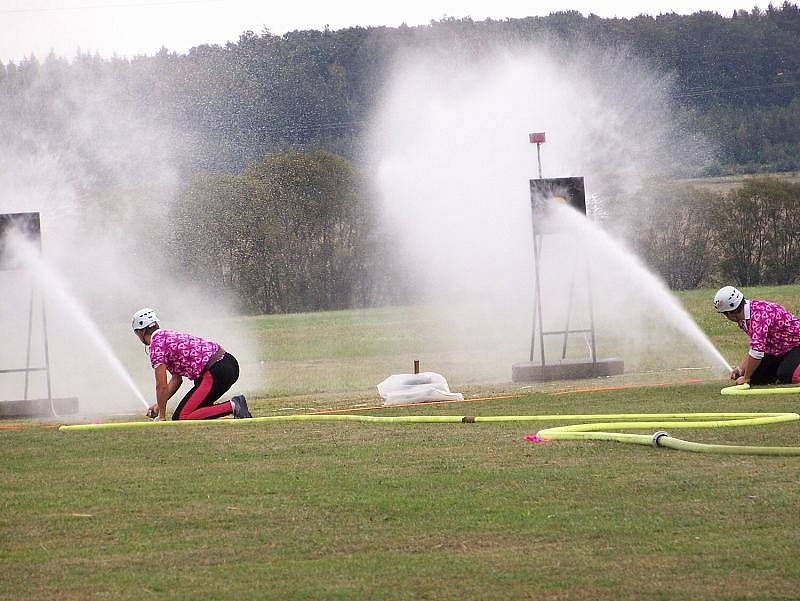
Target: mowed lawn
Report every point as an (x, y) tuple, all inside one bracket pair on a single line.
[(416, 511)]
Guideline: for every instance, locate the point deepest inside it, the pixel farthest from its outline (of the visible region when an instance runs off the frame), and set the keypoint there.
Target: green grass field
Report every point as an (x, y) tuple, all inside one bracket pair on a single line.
[(725, 184), (432, 511)]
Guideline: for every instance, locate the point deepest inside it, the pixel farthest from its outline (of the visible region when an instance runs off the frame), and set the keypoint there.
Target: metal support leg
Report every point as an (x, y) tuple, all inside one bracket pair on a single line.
[(47, 358), (537, 301), (591, 313), (569, 314), (535, 283), (28, 349)]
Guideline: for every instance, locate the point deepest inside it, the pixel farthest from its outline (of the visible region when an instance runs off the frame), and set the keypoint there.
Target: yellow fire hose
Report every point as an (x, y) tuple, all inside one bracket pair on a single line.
[(677, 420), (601, 430), (746, 390)]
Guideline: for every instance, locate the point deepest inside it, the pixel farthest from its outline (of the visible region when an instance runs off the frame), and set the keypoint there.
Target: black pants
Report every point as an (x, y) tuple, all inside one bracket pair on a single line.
[(212, 384), (777, 368)]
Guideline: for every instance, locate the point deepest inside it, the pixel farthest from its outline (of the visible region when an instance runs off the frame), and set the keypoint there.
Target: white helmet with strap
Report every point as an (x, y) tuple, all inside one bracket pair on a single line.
[(727, 299), (144, 318)]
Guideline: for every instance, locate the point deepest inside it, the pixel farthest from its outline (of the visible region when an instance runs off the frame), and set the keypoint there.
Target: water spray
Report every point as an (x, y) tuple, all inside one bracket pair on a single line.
[(452, 191), (653, 290), (25, 253)]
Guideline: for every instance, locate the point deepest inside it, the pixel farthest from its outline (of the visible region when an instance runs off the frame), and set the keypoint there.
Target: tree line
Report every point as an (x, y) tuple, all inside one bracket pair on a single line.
[(298, 232), (748, 236), (263, 133), (294, 232)]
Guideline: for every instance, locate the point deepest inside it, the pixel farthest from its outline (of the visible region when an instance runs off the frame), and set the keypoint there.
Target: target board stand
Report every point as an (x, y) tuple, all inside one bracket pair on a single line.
[(28, 226), (543, 368)]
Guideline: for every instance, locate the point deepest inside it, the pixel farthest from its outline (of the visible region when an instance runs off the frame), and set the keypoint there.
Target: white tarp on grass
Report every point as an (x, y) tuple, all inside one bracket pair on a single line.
[(401, 389)]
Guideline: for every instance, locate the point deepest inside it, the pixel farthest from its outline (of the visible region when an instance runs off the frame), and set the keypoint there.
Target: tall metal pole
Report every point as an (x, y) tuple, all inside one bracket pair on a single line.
[(537, 294), (538, 138), (535, 283), (537, 297), (539, 157)]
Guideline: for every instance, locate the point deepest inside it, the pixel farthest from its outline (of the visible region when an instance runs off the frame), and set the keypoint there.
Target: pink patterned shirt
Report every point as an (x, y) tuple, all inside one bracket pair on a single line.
[(182, 354), (772, 329)]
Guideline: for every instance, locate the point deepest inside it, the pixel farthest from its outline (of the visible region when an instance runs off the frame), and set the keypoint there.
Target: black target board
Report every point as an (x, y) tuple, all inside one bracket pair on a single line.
[(563, 190), (25, 224)]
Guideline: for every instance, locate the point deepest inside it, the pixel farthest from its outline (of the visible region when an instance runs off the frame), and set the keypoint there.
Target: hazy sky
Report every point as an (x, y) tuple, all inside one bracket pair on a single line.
[(130, 27)]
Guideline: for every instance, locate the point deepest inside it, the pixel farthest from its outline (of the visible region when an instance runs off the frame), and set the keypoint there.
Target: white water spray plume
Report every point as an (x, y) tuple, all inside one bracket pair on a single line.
[(104, 178), (451, 159), (28, 257), (619, 277)]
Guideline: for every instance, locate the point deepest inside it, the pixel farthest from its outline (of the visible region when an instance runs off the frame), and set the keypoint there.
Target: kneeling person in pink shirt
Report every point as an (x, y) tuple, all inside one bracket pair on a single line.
[(774, 332), (182, 355)]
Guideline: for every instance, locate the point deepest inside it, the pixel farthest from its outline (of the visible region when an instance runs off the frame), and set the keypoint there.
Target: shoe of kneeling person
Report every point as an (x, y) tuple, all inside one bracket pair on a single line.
[(240, 410)]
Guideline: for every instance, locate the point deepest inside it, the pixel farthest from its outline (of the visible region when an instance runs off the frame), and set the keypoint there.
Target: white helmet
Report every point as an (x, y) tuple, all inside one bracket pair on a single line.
[(143, 318), (727, 299)]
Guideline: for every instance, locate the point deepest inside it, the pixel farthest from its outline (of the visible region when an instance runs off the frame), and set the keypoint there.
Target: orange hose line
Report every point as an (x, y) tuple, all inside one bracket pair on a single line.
[(513, 396), (373, 407), (27, 426), (629, 386)]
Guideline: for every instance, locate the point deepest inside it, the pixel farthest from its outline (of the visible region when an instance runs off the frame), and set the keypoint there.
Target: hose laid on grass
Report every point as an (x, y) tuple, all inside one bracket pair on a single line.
[(677, 420), (583, 431), (746, 390)]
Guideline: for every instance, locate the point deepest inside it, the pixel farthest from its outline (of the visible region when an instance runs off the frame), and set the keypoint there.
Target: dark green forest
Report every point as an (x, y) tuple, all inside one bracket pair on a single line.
[(265, 135)]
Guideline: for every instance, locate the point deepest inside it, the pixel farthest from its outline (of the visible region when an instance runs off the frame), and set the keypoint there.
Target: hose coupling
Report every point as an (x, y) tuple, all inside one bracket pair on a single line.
[(657, 437)]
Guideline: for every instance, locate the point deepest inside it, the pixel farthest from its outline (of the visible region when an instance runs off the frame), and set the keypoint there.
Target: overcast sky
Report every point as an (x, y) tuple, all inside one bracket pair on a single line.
[(131, 27)]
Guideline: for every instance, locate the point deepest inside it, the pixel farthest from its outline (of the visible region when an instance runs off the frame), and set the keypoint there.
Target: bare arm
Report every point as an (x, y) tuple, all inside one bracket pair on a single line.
[(165, 389), (747, 368), (174, 384)]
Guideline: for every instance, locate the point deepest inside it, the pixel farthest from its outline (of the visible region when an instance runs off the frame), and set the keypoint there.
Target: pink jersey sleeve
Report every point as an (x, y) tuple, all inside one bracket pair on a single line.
[(759, 327), (158, 354)]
